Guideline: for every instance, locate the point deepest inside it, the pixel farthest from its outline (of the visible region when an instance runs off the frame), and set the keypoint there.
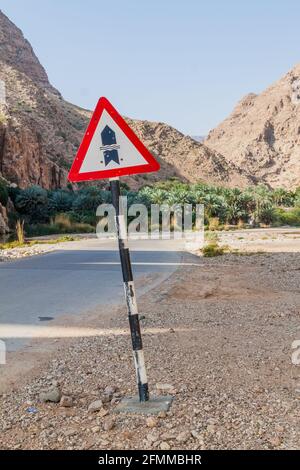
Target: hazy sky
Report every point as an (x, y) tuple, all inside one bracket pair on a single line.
[(184, 62)]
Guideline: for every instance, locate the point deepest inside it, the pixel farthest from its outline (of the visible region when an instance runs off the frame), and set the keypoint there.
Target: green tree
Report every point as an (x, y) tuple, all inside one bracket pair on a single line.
[(60, 201), (283, 197), (33, 203)]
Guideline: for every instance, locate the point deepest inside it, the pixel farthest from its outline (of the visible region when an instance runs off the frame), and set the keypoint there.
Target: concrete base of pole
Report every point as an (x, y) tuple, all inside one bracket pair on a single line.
[(151, 407)]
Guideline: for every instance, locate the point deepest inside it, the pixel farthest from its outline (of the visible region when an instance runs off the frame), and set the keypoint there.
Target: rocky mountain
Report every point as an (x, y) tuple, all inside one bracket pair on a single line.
[(262, 135), (40, 132), (182, 157), (198, 138), (38, 129), (16, 51)]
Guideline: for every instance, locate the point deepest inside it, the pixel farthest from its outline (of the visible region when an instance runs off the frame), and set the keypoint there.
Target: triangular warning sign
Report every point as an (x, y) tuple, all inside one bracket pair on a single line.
[(110, 148)]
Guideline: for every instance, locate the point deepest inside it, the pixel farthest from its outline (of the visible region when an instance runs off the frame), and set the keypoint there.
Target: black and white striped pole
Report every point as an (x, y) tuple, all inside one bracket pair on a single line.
[(129, 289)]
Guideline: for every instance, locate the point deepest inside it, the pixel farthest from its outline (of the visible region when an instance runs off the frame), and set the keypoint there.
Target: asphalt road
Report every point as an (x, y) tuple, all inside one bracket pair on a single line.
[(82, 275)]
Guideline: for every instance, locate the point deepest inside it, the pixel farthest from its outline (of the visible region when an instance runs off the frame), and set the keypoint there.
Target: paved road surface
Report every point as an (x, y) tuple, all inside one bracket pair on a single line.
[(81, 276)]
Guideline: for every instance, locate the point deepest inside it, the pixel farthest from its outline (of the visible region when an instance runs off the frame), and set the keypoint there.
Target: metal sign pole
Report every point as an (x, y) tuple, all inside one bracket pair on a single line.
[(130, 296), (119, 156)]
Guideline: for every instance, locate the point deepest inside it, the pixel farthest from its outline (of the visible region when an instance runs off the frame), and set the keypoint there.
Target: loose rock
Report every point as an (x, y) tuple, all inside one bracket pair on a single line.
[(165, 388), (53, 395), (108, 424), (165, 446), (95, 406), (151, 422), (66, 401)]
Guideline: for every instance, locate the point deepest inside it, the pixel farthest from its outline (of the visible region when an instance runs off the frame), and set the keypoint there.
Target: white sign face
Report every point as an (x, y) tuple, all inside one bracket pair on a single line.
[(97, 157), (110, 149)]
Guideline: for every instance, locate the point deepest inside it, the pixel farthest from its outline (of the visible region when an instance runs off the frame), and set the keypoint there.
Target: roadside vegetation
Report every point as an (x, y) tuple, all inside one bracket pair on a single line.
[(213, 249), (66, 211), (52, 241)]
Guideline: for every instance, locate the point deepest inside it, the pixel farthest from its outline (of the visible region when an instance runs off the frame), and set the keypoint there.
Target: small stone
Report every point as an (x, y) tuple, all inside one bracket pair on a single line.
[(168, 436), (104, 442), (66, 401), (183, 437), (102, 413), (211, 429), (105, 398), (162, 414), (108, 394), (153, 437), (279, 428), (115, 400), (275, 441), (95, 429), (70, 432), (165, 387), (151, 422), (95, 406), (164, 446), (110, 390), (108, 424), (53, 395)]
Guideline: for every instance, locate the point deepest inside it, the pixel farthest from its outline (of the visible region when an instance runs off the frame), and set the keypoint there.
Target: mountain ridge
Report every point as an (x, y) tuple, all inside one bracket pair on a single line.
[(40, 132), (262, 134)]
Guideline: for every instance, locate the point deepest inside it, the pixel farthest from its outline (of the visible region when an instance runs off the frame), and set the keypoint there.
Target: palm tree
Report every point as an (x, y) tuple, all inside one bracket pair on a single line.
[(283, 197)]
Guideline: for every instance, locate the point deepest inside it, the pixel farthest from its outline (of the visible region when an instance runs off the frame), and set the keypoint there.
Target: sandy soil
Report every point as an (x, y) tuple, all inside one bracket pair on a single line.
[(274, 240), (220, 334)]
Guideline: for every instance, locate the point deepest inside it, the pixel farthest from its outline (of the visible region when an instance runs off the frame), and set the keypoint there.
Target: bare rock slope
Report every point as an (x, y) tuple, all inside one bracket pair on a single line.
[(262, 135), (183, 157), (40, 132), (38, 129)]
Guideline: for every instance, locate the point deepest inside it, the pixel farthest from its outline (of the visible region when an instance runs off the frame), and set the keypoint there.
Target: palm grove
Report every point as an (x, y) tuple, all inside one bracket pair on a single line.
[(69, 211)]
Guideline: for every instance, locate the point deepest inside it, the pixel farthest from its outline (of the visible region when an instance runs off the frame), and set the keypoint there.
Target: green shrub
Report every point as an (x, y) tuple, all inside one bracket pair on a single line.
[(212, 237), (214, 223), (8, 245), (62, 221), (39, 230), (213, 249), (266, 215), (291, 217), (87, 200), (33, 203), (60, 201), (13, 192), (225, 208), (84, 217)]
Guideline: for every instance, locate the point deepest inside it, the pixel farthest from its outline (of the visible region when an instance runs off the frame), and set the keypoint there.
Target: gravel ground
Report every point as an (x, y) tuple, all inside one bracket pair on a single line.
[(16, 253), (263, 240), (40, 248), (219, 335)]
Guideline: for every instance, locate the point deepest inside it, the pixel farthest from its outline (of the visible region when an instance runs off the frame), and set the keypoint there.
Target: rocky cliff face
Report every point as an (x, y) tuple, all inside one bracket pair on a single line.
[(3, 220), (262, 135), (16, 51), (40, 132), (183, 157)]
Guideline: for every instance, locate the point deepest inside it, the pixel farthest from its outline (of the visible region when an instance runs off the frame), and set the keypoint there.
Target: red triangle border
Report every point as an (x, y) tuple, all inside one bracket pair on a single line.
[(74, 175)]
